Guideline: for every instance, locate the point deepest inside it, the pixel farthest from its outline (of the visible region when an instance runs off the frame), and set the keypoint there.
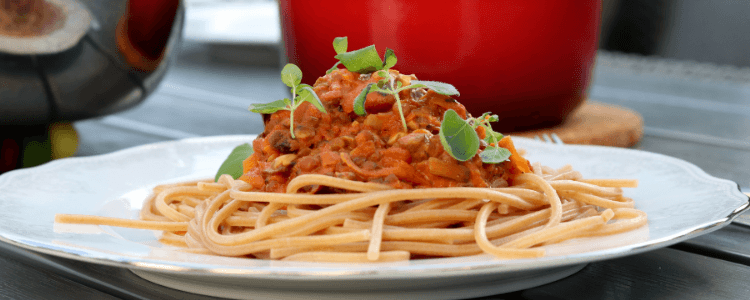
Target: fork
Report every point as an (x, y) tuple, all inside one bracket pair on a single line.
[(742, 220), (550, 139)]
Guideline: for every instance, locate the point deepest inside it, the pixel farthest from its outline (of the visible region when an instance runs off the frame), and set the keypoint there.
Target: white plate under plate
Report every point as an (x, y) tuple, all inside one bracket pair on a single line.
[(681, 201)]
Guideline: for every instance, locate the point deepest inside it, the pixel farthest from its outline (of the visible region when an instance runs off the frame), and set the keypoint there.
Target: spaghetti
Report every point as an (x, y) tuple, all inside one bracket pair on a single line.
[(373, 222)]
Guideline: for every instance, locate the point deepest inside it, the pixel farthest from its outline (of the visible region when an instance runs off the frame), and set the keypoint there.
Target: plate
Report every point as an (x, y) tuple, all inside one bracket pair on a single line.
[(681, 201)]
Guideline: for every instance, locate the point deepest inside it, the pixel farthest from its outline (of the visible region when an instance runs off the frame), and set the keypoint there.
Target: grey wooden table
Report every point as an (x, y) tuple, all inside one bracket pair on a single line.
[(696, 112)]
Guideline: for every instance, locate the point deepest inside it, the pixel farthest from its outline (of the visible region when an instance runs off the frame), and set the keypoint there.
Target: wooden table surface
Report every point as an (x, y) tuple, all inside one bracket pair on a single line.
[(691, 111)]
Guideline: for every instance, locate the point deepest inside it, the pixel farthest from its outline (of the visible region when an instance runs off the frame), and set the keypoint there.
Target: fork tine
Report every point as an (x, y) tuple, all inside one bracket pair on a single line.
[(536, 138), (557, 139), (547, 138)]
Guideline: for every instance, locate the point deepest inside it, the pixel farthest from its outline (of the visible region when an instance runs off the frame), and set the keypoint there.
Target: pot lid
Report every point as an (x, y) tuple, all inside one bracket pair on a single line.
[(74, 23)]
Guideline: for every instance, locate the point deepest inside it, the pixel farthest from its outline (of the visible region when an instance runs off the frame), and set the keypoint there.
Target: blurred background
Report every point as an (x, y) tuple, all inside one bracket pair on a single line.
[(230, 52)]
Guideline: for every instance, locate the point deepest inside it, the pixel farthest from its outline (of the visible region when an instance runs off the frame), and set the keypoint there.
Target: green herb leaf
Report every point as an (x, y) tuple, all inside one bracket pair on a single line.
[(383, 74), (359, 102), (458, 137), (390, 59), (291, 75), (334, 68), (494, 155), (494, 118), (269, 108), (233, 164), (307, 94), (340, 44), (438, 87), (493, 137), (382, 83), (365, 60)]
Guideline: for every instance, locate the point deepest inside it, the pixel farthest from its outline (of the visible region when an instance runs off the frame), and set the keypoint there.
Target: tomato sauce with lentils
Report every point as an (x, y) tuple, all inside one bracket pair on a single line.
[(371, 148)]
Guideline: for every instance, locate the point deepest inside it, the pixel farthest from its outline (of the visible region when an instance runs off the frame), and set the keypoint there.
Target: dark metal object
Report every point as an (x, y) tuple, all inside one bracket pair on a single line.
[(88, 80)]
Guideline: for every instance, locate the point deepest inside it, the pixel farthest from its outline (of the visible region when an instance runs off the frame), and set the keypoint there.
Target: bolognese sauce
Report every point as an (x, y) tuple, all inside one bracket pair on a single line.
[(371, 148)]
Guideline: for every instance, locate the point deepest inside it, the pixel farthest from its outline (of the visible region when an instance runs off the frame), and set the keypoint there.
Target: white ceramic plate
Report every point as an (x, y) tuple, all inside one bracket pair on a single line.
[(681, 201)]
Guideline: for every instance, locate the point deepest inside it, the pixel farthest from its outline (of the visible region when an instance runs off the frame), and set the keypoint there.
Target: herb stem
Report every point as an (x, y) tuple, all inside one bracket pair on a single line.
[(401, 111), (291, 110), (394, 90)]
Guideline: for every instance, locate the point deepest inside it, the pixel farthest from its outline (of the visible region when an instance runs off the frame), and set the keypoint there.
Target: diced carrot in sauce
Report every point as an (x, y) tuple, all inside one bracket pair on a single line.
[(308, 163), (249, 163), (449, 170), (254, 178), (407, 172), (364, 150), (519, 164), (329, 158), (481, 132), (397, 153)]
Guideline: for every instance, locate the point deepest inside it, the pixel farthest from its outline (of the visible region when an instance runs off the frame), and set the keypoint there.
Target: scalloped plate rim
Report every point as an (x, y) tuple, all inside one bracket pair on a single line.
[(410, 271)]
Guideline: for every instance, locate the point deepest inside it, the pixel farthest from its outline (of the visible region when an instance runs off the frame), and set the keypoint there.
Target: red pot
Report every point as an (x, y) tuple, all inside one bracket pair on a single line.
[(529, 61)]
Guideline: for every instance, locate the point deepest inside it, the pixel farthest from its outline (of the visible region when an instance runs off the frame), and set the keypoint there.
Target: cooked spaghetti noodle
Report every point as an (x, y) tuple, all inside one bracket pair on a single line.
[(373, 222)]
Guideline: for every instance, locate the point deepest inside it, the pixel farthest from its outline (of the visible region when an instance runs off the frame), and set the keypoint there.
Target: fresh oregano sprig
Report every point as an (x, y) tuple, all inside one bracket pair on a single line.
[(494, 153), (363, 61), (461, 141), (291, 75), (340, 44), (386, 86), (458, 137)]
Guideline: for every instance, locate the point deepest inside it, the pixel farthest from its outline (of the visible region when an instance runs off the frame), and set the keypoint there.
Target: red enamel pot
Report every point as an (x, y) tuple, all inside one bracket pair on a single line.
[(529, 61)]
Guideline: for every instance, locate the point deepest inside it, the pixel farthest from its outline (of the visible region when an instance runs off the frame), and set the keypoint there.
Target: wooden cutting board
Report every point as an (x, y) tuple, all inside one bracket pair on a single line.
[(596, 123)]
